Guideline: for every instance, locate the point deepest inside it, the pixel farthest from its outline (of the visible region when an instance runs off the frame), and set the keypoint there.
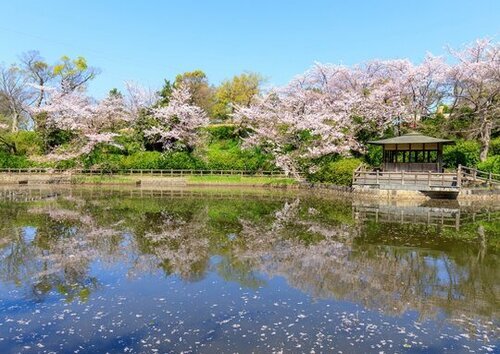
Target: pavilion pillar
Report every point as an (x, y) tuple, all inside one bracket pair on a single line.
[(384, 158), (440, 158)]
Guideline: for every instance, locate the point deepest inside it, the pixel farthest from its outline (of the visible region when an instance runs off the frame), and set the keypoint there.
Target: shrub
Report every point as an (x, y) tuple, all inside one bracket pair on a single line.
[(142, 160), (13, 161), (491, 164), (58, 137), (464, 153), (338, 172), (104, 157), (374, 156), (221, 132), (66, 164), (180, 160), (26, 142), (130, 142), (494, 147), (228, 155)]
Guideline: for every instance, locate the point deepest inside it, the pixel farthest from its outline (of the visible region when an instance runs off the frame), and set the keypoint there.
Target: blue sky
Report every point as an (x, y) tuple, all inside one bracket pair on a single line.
[(147, 41)]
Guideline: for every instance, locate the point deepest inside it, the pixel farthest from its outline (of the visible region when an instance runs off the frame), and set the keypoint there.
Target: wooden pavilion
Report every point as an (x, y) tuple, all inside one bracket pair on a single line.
[(412, 152)]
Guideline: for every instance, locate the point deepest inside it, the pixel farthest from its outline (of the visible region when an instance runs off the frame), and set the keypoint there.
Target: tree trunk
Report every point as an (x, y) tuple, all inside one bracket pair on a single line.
[(485, 138), (15, 122)]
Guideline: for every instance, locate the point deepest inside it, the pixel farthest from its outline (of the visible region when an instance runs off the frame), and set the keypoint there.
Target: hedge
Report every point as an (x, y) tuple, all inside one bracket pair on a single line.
[(338, 172)]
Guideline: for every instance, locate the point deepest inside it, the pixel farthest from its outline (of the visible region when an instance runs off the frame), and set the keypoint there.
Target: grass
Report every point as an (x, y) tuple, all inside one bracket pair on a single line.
[(190, 180), (238, 180), (103, 180)]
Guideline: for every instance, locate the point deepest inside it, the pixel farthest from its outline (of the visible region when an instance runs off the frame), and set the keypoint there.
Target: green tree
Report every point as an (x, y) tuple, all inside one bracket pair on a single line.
[(240, 90), (202, 94), (73, 73), (115, 93), (165, 93)]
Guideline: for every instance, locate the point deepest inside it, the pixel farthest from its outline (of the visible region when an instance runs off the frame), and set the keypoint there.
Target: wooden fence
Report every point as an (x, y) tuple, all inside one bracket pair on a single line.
[(143, 172), (477, 175)]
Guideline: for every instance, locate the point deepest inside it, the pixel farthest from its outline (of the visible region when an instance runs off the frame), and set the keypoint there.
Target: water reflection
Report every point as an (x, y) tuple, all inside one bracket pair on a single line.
[(434, 259)]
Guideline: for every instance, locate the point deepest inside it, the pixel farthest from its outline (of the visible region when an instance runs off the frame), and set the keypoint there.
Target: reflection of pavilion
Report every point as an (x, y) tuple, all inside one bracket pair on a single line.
[(446, 215)]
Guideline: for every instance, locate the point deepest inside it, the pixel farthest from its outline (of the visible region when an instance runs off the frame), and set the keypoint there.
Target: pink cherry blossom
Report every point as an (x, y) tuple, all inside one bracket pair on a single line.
[(179, 122)]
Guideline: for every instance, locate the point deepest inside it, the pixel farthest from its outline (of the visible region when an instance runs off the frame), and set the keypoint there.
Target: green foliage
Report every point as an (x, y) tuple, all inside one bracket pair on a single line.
[(494, 147), (338, 172), (73, 73), (156, 160), (181, 160), (114, 92), (221, 132), (26, 142), (491, 164), (202, 94), (240, 90), (465, 153), (142, 160), (8, 160), (57, 137), (104, 157), (228, 155), (374, 155), (66, 164), (129, 141), (165, 93), (434, 126)]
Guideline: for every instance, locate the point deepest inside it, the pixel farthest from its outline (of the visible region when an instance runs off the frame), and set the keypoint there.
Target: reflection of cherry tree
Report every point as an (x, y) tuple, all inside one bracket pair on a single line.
[(315, 246), (389, 278), (179, 246), (60, 254)]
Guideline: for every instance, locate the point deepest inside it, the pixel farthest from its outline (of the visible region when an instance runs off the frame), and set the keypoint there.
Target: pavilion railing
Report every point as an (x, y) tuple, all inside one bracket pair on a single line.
[(463, 175), (401, 178)]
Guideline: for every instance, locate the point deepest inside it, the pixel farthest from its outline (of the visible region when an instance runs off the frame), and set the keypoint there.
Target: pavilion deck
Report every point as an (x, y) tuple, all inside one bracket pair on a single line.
[(423, 181)]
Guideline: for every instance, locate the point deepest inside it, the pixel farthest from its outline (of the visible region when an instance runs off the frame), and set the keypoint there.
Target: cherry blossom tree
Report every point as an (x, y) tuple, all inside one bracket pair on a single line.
[(475, 83), (177, 124), (93, 121), (324, 110), (293, 126), (421, 87), (320, 113), (139, 98)]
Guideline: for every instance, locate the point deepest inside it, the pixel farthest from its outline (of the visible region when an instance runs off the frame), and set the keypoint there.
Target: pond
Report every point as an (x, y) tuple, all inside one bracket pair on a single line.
[(204, 270)]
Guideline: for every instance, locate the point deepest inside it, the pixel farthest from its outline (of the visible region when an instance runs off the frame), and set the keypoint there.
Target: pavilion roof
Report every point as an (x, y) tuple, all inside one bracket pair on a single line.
[(411, 138)]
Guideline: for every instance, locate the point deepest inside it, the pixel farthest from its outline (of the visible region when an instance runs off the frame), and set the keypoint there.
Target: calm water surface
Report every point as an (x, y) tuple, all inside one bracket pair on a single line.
[(88, 270)]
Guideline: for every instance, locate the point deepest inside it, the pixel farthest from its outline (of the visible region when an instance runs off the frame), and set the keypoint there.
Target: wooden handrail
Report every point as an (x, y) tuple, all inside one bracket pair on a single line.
[(151, 172)]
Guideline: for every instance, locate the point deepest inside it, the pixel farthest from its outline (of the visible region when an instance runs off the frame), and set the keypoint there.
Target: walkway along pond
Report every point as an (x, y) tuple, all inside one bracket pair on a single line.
[(127, 269)]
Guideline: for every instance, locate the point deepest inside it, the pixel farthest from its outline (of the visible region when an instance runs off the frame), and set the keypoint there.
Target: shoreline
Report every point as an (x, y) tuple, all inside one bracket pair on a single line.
[(464, 194)]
